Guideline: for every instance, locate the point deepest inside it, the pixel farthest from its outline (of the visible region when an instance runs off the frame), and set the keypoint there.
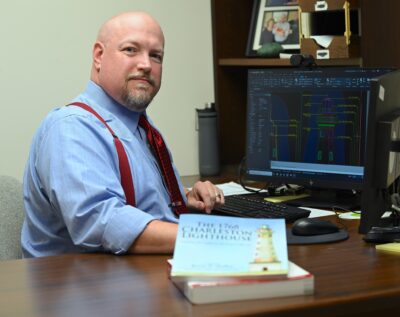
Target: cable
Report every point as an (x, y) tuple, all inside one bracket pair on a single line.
[(241, 182), (337, 213)]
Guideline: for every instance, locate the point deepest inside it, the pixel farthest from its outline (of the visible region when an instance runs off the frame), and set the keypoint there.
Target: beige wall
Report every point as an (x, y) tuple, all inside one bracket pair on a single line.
[(45, 58)]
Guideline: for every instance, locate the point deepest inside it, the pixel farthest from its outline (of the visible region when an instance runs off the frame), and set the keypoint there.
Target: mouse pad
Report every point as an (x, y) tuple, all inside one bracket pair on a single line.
[(321, 238)]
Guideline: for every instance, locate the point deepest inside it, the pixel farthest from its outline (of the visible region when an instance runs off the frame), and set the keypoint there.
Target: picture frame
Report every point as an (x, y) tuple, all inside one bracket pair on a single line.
[(274, 21)]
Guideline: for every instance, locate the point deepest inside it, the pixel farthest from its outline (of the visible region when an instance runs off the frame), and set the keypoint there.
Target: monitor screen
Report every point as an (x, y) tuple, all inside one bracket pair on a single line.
[(308, 127)]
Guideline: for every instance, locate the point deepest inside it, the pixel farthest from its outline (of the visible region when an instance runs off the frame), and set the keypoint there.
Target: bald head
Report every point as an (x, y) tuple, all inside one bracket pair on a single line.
[(127, 59), (117, 23)]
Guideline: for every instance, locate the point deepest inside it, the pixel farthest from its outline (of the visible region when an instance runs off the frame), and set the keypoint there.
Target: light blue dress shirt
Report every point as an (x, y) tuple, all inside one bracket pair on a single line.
[(73, 197)]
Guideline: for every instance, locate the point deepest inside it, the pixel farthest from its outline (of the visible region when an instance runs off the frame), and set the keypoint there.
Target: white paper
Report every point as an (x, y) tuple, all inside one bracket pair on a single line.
[(233, 188), (318, 212), (323, 40)]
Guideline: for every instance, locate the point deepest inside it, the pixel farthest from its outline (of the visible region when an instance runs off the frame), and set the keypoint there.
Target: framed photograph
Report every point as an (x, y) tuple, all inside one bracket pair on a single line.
[(274, 21)]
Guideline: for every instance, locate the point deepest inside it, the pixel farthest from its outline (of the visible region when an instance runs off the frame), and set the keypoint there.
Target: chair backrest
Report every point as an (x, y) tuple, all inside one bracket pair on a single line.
[(11, 217)]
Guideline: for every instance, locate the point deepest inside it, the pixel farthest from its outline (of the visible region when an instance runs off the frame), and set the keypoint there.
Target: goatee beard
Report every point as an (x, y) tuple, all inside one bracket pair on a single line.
[(136, 102), (139, 99)]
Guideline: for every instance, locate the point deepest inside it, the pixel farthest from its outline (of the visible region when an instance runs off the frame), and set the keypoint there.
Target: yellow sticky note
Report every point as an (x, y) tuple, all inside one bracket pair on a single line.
[(393, 247), (279, 199)]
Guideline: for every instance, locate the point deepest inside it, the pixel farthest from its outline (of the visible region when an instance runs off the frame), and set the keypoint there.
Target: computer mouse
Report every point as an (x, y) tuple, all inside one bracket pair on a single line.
[(313, 226)]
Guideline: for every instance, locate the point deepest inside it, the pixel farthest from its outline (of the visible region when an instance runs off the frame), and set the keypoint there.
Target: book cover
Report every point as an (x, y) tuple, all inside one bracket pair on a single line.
[(218, 247), (298, 282)]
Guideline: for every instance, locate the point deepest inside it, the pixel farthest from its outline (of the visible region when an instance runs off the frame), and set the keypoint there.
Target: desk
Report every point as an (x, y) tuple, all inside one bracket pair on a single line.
[(351, 280)]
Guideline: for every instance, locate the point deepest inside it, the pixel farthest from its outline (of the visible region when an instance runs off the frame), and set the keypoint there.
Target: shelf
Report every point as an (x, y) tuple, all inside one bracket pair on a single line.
[(277, 62), (254, 62)]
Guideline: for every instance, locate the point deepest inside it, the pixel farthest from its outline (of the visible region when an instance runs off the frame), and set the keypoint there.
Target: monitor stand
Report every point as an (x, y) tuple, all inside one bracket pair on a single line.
[(327, 199)]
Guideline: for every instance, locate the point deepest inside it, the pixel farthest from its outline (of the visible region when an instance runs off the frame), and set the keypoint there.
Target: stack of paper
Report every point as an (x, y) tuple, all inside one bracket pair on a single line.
[(298, 282)]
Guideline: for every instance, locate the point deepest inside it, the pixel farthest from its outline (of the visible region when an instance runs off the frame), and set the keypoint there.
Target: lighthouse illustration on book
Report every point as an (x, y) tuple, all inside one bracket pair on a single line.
[(265, 258)]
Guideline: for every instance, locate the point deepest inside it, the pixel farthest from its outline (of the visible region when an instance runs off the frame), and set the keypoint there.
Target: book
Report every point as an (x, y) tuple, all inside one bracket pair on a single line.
[(211, 248), (298, 282)]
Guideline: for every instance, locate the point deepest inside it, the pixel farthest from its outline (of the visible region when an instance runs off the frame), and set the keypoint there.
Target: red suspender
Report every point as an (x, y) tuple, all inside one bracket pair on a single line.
[(124, 167)]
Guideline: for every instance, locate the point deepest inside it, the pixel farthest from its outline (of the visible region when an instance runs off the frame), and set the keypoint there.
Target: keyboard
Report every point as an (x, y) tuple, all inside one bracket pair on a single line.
[(247, 206)]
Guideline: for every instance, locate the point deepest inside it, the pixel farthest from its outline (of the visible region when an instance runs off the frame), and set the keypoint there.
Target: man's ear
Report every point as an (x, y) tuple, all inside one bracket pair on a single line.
[(98, 50)]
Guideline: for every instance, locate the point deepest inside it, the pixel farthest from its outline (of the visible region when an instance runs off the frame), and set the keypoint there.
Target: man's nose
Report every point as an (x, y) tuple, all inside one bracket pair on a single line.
[(144, 62)]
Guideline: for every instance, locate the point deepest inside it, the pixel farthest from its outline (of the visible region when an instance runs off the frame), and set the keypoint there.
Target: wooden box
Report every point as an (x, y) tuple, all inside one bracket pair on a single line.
[(330, 29)]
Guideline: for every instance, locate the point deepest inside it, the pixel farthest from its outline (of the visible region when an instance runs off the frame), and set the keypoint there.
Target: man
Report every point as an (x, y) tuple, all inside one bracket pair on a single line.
[(281, 27), (73, 195)]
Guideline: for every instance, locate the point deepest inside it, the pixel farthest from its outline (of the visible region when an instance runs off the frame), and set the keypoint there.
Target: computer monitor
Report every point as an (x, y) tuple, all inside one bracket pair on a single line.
[(307, 127), (382, 163)]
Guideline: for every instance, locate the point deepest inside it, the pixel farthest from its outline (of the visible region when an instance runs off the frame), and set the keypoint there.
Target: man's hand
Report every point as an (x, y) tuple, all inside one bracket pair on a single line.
[(204, 196)]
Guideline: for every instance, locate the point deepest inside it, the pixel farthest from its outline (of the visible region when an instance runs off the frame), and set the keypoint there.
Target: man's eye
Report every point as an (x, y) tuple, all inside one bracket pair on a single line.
[(157, 57), (130, 49)]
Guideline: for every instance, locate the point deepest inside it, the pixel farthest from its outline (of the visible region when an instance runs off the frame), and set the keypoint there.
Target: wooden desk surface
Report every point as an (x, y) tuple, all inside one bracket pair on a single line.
[(351, 279)]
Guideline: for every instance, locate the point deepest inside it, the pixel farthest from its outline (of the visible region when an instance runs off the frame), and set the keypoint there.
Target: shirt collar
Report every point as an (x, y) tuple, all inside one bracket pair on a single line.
[(97, 98)]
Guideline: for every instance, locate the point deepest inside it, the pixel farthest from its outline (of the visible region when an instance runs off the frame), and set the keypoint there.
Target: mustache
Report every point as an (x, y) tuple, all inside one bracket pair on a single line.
[(150, 79)]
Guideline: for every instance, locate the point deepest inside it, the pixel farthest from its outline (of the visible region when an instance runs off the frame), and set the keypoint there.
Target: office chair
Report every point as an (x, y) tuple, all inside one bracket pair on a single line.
[(11, 217)]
